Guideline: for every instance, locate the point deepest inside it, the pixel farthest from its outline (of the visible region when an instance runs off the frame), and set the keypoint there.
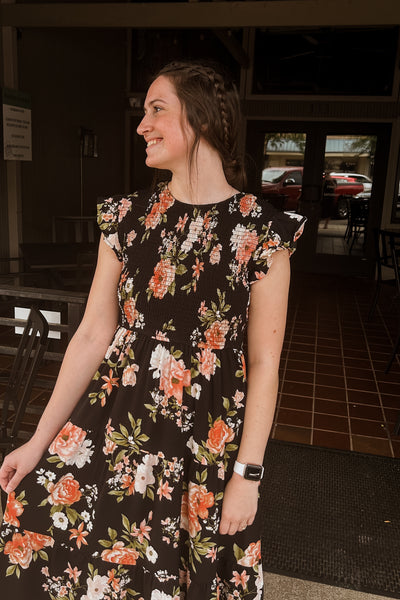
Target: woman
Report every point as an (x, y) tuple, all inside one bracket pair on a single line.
[(144, 479)]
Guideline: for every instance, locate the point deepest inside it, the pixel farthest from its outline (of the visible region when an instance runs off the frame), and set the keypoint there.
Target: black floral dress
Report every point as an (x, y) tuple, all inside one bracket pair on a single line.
[(126, 502)]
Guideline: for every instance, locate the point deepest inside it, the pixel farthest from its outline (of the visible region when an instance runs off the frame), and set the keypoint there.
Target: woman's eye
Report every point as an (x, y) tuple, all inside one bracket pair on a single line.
[(157, 108)]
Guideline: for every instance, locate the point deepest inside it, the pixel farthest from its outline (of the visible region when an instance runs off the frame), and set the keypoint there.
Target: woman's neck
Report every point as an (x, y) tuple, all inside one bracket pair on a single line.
[(205, 184)]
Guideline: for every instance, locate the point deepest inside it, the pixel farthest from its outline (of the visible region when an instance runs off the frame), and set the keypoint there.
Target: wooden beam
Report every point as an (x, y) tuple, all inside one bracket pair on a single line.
[(274, 13)]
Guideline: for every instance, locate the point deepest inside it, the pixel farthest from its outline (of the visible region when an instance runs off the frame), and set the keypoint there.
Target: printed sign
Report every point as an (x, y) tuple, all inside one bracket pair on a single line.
[(17, 125)]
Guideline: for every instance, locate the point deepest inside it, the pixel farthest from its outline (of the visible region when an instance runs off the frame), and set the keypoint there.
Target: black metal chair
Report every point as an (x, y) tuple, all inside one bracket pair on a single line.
[(358, 220), (384, 241), (30, 352)]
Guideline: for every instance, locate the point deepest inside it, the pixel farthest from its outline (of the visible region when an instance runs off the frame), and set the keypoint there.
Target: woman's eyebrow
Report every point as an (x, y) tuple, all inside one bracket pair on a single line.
[(152, 102)]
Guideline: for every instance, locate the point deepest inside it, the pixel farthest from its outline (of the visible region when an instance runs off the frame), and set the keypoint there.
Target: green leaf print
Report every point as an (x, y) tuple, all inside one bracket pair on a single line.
[(238, 552)]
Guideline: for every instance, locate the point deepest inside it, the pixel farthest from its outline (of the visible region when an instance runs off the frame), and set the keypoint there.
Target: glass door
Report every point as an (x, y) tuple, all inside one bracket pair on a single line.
[(347, 183), (282, 174)]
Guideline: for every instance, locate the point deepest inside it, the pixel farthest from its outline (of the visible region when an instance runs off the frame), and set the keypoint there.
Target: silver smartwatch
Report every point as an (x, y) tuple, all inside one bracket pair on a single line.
[(248, 471)]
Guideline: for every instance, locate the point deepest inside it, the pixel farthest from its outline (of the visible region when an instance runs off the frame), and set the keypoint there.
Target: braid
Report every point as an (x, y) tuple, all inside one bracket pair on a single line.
[(220, 94)]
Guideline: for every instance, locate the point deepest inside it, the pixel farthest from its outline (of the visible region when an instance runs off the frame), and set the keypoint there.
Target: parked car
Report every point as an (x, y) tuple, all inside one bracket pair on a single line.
[(358, 177), (282, 187)]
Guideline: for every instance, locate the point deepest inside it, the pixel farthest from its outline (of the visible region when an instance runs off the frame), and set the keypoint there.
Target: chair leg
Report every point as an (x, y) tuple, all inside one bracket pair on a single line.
[(374, 300), (395, 350)]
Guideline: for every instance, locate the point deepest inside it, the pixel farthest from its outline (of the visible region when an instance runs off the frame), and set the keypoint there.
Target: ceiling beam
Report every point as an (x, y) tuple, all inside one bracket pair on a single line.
[(274, 13)]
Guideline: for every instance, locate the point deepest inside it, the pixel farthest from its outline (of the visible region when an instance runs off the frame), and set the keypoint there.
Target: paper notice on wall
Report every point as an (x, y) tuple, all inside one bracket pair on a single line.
[(17, 125)]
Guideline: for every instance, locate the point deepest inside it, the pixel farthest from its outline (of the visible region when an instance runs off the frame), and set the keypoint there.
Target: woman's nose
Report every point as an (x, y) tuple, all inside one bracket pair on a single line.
[(143, 126)]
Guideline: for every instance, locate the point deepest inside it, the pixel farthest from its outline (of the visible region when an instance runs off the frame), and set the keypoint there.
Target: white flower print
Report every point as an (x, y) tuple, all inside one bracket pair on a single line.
[(196, 390), (192, 445), (236, 236), (159, 357), (128, 285), (151, 554), (195, 228), (150, 460), (144, 477), (157, 595), (113, 241), (96, 587), (60, 520), (82, 455)]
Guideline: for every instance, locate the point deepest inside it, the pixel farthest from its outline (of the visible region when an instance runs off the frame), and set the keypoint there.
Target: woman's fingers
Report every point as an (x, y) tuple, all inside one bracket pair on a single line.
[(231, 527), (14, 481)]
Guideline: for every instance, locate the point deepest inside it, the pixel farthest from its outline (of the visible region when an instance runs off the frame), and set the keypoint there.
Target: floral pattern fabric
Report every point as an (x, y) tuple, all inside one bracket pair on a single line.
[(126, 503)]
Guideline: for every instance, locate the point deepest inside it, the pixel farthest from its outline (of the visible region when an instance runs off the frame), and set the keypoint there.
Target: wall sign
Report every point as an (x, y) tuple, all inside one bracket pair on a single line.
[(17, 125)]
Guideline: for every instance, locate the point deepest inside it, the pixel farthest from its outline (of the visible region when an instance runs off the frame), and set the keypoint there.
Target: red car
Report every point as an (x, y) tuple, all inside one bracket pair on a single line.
[(282, 187)]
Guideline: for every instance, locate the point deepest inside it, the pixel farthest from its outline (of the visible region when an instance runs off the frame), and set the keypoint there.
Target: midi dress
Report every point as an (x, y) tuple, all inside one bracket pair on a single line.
[(126, 502)]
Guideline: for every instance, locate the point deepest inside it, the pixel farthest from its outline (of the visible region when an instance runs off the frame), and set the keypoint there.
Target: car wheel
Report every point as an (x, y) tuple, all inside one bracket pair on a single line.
[(342, 208)]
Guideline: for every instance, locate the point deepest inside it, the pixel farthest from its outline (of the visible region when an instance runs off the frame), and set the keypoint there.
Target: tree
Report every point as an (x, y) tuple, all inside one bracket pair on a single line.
[(364, 144), (274, 141)]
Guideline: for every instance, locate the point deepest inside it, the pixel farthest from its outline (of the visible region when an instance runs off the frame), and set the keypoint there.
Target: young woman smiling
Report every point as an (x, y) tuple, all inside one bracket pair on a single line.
[(142, 480)]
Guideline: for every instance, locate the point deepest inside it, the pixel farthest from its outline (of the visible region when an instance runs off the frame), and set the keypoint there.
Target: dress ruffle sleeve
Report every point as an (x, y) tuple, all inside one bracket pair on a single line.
[(279, 231), (110, 216)]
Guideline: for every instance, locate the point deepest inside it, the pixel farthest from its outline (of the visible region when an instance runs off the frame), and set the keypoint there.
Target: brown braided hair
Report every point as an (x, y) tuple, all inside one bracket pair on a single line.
[(211, 103)]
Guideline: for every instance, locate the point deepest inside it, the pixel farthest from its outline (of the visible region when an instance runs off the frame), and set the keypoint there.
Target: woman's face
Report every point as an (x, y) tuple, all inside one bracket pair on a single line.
[(165, 128)]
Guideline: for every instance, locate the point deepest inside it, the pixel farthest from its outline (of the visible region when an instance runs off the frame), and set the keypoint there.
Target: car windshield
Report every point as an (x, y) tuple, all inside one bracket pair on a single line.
[(272, 175)]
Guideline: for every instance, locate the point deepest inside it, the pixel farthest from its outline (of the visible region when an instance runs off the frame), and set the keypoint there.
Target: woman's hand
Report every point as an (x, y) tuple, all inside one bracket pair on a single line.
[(17, 464), (239, 505)]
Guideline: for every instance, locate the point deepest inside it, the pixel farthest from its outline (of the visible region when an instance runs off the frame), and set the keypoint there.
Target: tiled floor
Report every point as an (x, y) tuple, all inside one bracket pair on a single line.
[(333, 389)]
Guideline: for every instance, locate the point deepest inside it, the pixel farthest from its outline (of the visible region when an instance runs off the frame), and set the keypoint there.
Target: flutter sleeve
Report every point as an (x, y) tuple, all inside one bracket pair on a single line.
[(111, 213), (279, 231)]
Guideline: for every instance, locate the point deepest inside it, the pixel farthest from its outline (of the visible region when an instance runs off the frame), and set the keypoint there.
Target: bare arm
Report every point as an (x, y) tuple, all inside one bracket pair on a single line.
[(83, 356), (266, 329)]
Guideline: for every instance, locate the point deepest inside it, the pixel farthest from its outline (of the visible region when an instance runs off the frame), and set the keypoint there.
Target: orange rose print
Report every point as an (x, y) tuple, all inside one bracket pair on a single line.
[(154, 217), (247, 243), (195, 503), (218, 436), (37, 541), (207, 362), (166, 200), (13, 510), (252, 555), (129, 375), (215, 254), (120, 554), (19, 550), (123, 208), (109, 446), (67, 442), (130, 311), (164, 275), (215, 335), (174, 377), (65, 491), (246, 204)]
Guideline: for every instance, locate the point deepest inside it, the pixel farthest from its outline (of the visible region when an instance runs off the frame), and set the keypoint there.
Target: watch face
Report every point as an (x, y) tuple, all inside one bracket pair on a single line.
[(253, 472)]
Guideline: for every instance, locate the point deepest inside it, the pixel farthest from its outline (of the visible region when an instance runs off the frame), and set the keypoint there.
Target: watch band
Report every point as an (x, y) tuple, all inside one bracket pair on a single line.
[(249, 471)]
